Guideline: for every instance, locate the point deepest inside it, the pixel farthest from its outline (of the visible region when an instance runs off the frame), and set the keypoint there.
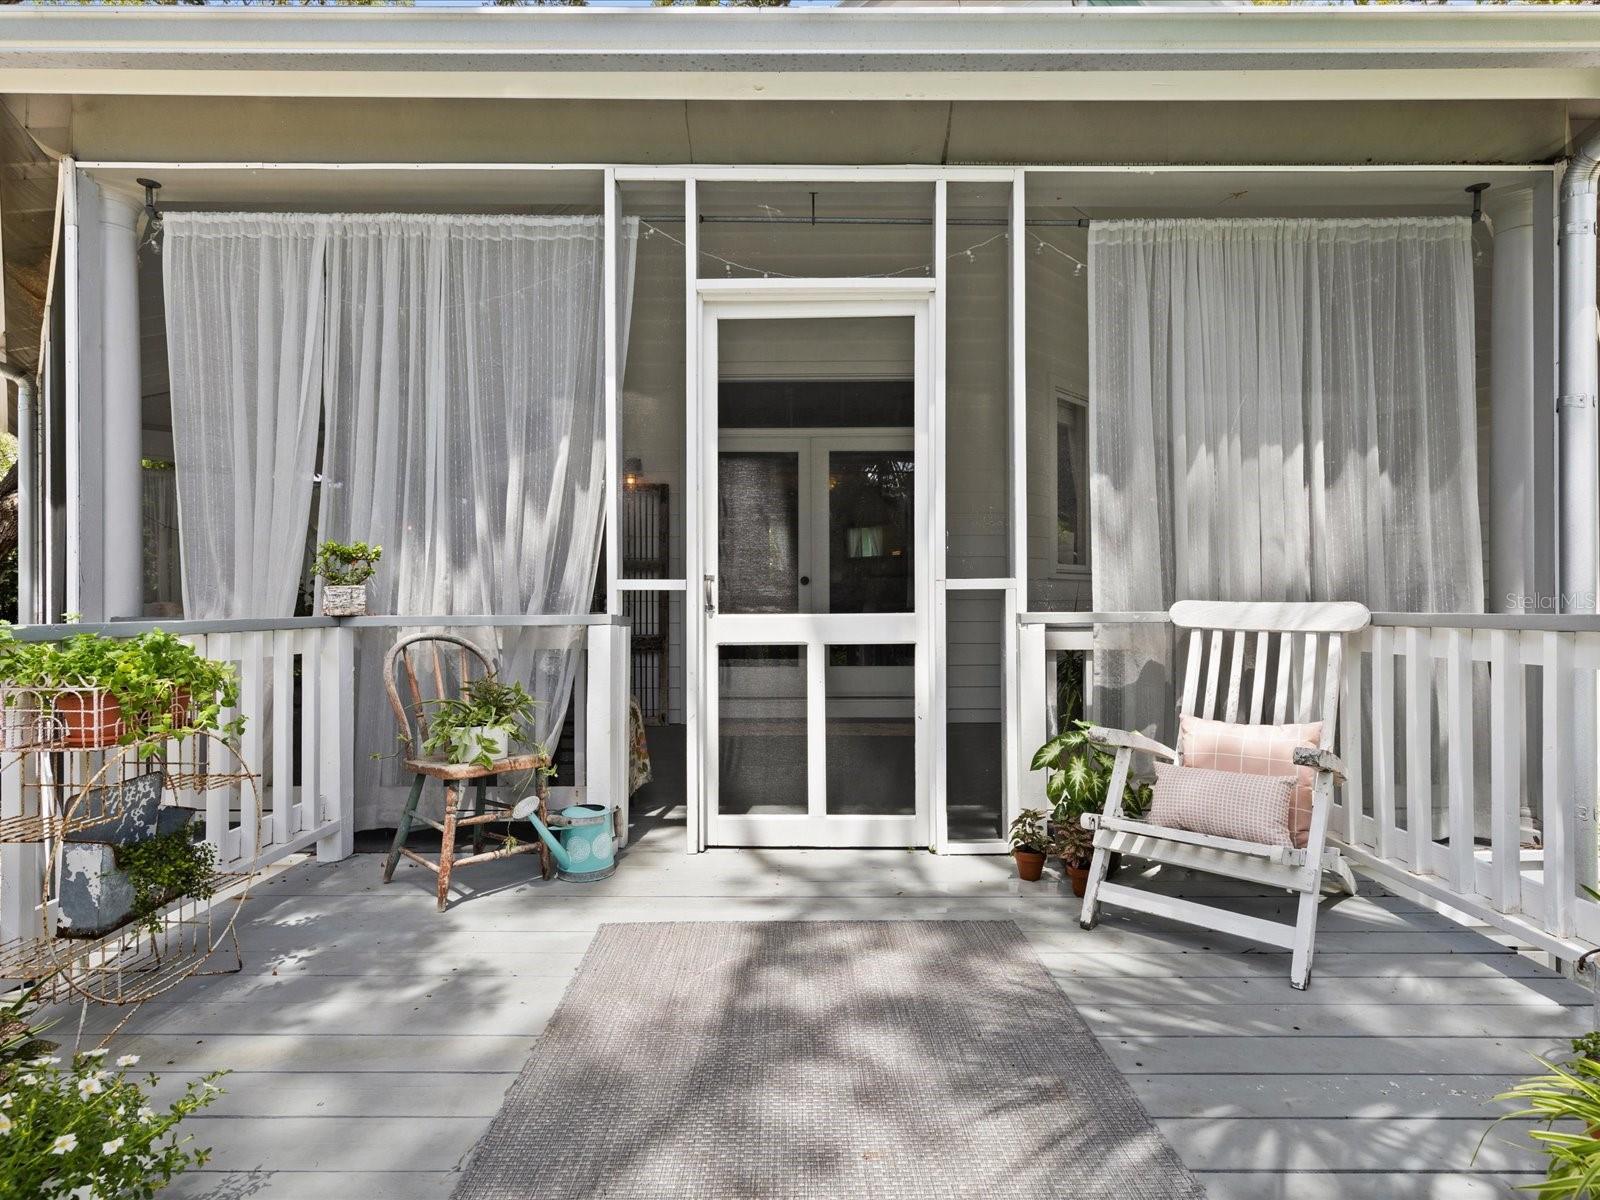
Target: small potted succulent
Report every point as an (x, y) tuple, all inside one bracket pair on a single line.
[(1030, 844), (104, 691), (344, 568), (1079, 778), (482, 724)]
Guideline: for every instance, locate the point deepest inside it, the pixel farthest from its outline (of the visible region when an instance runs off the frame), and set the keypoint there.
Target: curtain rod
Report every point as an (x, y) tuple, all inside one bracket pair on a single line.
[(997, 222)]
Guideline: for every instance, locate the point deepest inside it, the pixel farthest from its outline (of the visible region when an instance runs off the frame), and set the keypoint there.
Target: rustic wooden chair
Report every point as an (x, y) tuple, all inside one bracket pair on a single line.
[(1275, 640), (447, 663)]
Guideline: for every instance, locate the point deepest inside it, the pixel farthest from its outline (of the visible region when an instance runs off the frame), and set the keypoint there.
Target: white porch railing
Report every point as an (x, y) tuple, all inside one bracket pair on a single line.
[(1471, 744), (297, 692)]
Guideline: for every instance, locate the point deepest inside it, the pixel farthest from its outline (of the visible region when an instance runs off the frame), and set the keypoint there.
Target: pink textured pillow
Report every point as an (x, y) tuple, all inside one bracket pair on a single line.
[(1254, 750), (1230, 804)]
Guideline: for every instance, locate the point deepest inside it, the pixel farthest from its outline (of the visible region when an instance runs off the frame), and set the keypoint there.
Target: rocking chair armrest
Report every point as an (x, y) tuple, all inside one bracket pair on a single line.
[(1320, 760), (1130, 740)]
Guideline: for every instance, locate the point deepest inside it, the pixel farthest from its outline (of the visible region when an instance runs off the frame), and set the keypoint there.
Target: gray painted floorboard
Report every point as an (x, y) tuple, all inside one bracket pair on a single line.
[(371, 1038)]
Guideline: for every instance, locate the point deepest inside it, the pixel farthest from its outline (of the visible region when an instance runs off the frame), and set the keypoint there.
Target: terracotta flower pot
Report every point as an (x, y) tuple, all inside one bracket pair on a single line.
[(90, 719), (1030, 865), (1079, 876)]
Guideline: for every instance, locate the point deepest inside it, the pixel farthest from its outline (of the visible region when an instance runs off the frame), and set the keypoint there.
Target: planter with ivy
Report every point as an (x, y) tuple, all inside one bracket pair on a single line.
[(131, 866), (96, 691), (1079, 778), (480, 726), (345, 568)]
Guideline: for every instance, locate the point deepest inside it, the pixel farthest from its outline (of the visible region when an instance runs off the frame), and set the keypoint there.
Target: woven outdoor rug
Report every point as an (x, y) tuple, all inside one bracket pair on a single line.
[(924, 1060)]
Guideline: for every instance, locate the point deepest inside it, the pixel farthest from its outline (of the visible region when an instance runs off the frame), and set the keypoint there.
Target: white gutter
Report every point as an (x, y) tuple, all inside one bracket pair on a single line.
[(1579, 388)]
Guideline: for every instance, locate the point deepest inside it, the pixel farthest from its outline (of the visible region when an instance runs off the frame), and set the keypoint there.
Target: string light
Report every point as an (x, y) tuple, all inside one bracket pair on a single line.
[(970, 253)]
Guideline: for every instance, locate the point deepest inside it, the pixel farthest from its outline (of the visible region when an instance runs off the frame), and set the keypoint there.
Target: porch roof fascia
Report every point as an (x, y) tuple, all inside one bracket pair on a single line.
[(1239, 52)]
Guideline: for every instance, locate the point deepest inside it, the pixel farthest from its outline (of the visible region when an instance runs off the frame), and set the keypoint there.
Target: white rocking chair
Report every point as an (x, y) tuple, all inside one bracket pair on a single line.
[(1273, 639)]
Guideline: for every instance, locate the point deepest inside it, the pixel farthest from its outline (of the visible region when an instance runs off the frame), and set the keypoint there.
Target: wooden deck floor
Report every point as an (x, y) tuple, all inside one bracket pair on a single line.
[(371, 1038)]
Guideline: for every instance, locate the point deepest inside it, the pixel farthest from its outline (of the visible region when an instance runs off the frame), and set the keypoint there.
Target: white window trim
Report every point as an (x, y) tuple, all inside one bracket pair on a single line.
[(1065, 396)]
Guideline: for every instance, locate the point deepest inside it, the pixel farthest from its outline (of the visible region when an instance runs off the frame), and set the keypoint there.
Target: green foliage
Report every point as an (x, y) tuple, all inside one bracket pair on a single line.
[(1078, 781), (1031, 832), (1566, 1092), (455, 726), (164, 687), (1587, 1046), (86, 1129), (164, 867), (346, 564)]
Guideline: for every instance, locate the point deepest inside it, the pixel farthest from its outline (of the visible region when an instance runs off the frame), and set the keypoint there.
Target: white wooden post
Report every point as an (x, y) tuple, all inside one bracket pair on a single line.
[(1507, 714), (1033, 717), (336, 745), (20, 865), (606, 721)]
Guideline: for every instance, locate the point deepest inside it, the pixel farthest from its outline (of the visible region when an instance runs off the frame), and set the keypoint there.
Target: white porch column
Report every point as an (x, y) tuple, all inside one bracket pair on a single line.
[(122, 421), (1511, 388)]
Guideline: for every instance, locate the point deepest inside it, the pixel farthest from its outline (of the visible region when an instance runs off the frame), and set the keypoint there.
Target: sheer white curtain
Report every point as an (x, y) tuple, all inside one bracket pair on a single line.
[(1297, 398), (244, 297), (465, 381)]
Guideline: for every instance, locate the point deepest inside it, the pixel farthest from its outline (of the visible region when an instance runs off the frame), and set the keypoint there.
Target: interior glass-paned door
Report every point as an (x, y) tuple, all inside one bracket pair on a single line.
[(814, 586)]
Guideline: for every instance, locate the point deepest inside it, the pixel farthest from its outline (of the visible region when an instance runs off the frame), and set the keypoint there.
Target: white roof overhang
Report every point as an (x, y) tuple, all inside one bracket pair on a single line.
[(1040, 53)]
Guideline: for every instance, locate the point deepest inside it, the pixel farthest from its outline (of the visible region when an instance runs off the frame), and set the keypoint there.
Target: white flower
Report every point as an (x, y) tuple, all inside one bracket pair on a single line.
[(146, 1114), (29, 1079), (67, 1141), (5, 1101), (5, 1124), (128, 1060), (44, 1060), (88, 1086), (112, 1146), (96, 1053)]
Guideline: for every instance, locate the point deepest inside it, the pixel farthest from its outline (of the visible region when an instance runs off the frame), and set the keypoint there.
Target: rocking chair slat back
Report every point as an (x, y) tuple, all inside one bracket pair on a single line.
[(447, 679)]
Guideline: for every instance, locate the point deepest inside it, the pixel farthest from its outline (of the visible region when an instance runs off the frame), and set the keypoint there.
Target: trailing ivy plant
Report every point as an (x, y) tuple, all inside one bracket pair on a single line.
[(163, 868), (346, 564), (456, 726), (163, 686), (1080, 776)]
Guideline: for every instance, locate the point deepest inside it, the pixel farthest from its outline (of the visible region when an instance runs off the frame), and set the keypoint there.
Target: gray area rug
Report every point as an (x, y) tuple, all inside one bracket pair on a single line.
[(928, 1060)]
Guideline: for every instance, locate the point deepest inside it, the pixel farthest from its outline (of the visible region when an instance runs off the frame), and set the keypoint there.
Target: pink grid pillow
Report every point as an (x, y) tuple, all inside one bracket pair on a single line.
[(1255, 750), (1230, 804)]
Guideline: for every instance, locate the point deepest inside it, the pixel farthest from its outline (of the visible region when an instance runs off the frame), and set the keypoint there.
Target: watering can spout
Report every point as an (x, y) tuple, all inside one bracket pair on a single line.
[(550, 839), (528, 810)]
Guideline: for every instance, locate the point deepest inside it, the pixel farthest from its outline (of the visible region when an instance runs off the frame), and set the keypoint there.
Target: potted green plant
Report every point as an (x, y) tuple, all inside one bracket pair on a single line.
[(1030, 843), (480, 725), (1565, 1091), (103, 691), (344, 568), (1079, 778)]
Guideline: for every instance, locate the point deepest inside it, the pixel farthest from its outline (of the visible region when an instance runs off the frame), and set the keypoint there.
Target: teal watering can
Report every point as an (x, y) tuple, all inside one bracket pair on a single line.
[(579, 836)]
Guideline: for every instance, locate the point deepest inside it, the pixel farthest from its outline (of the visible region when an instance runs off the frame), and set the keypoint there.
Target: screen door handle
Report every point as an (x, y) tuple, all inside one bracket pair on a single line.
[(711, 595)]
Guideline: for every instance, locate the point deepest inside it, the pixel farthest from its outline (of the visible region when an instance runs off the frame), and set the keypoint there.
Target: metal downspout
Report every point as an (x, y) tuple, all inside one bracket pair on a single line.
[(1579, 390), (26, 497)]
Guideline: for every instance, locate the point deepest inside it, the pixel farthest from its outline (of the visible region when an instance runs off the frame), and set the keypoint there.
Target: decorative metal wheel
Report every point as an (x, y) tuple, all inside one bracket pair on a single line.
[(134, 901)]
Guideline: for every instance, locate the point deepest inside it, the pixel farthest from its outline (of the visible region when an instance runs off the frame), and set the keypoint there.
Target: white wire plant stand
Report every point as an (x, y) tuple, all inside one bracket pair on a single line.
[(77, 785)]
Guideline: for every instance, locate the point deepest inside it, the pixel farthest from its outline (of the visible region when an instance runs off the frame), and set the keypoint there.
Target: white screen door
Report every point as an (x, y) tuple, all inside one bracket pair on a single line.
[(814, 520)]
